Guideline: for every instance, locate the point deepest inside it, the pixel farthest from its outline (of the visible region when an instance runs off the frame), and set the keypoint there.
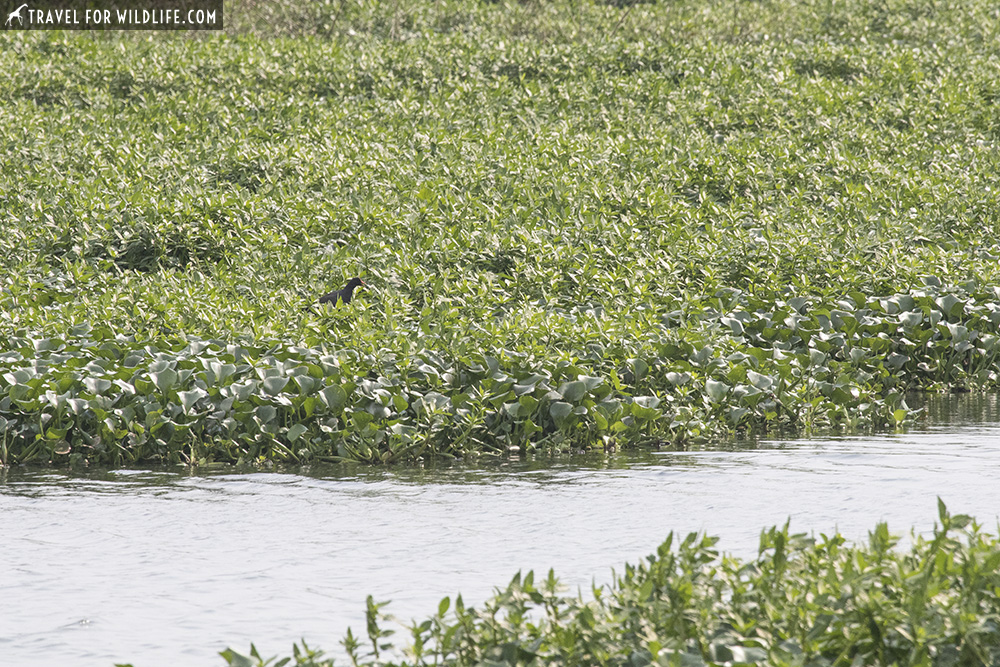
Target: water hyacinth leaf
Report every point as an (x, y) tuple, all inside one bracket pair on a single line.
[(748, 655), (19, 376), (244, 390), (429, 370), (682, 658), (164, 379), (46, 344), (274, 385), (573, 391), (161, 364), (96, 385), (644, 408), (735, 325), (306, 383), (223, 371), (21, 392), (896, 360), (560, 410), (513, 409), (432, 402), (378, 410), (53, 433), (639, 367), (950, 305), (295, 431), (529, 403), (703, 356), (678, 379), (405, 432), (189, 398), (955, 331), (716, 390), (309, 405), (760, 380), (522, 389), (736, 414), (126, 388), (266, 413), (360, 420), (335, 398), (529, 427), (646, 402), (843, 396)]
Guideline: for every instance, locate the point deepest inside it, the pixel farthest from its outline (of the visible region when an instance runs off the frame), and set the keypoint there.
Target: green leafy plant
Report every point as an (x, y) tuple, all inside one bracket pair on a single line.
[(802, 601), (583, 225)]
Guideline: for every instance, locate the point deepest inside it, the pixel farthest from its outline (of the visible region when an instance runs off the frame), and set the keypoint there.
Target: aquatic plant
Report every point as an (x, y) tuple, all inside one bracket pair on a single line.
[(802, 601), (583, 225), (100, 396)]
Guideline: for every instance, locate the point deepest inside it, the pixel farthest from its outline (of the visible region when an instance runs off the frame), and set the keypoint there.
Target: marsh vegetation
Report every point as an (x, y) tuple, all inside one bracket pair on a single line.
[(583, 224)]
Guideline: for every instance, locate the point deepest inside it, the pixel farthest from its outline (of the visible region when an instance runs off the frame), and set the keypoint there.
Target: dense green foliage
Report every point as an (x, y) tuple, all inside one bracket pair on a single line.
[(583, 223), (802, 601)]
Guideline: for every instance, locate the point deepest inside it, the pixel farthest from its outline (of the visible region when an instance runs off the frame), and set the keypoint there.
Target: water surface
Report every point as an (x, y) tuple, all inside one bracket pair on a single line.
[(170, 566)]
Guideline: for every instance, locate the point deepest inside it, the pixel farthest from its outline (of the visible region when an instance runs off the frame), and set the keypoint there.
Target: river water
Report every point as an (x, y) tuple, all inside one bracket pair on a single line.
[(168, 566)]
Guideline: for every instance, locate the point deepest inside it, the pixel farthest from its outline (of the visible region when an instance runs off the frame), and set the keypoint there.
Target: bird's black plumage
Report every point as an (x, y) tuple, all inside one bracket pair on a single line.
[(343, 295)]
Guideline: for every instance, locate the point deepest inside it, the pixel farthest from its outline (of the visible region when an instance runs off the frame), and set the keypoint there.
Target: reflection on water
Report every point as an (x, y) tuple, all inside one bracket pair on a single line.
[(168, 566)]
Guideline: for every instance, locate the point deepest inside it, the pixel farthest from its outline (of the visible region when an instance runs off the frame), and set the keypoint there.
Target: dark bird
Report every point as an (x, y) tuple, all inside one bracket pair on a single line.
[(343, 295)]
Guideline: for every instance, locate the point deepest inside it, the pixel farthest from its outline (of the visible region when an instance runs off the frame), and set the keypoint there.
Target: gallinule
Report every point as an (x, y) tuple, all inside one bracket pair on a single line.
[(344, 295)]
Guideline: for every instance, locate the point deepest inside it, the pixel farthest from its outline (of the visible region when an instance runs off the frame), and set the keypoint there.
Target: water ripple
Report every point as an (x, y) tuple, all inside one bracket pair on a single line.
[(164, 565)]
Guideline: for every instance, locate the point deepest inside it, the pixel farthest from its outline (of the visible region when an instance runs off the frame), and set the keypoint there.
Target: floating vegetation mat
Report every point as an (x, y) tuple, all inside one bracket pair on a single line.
[(581, 224)]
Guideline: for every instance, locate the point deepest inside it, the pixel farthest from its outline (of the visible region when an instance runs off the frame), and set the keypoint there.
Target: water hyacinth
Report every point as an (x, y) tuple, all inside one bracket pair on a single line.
[(619, 224), (100, 397)]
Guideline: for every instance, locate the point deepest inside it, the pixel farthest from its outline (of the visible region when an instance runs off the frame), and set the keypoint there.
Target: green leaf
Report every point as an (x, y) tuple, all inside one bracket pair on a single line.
[(98, 385), (716, 390), (189, 398), (560, 410), (950, 305), (164, 379), (432, 402), (762, 382), (234, 659), (266, 413), (573, 391), (295, 431), (335, 398), (274, 385)]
